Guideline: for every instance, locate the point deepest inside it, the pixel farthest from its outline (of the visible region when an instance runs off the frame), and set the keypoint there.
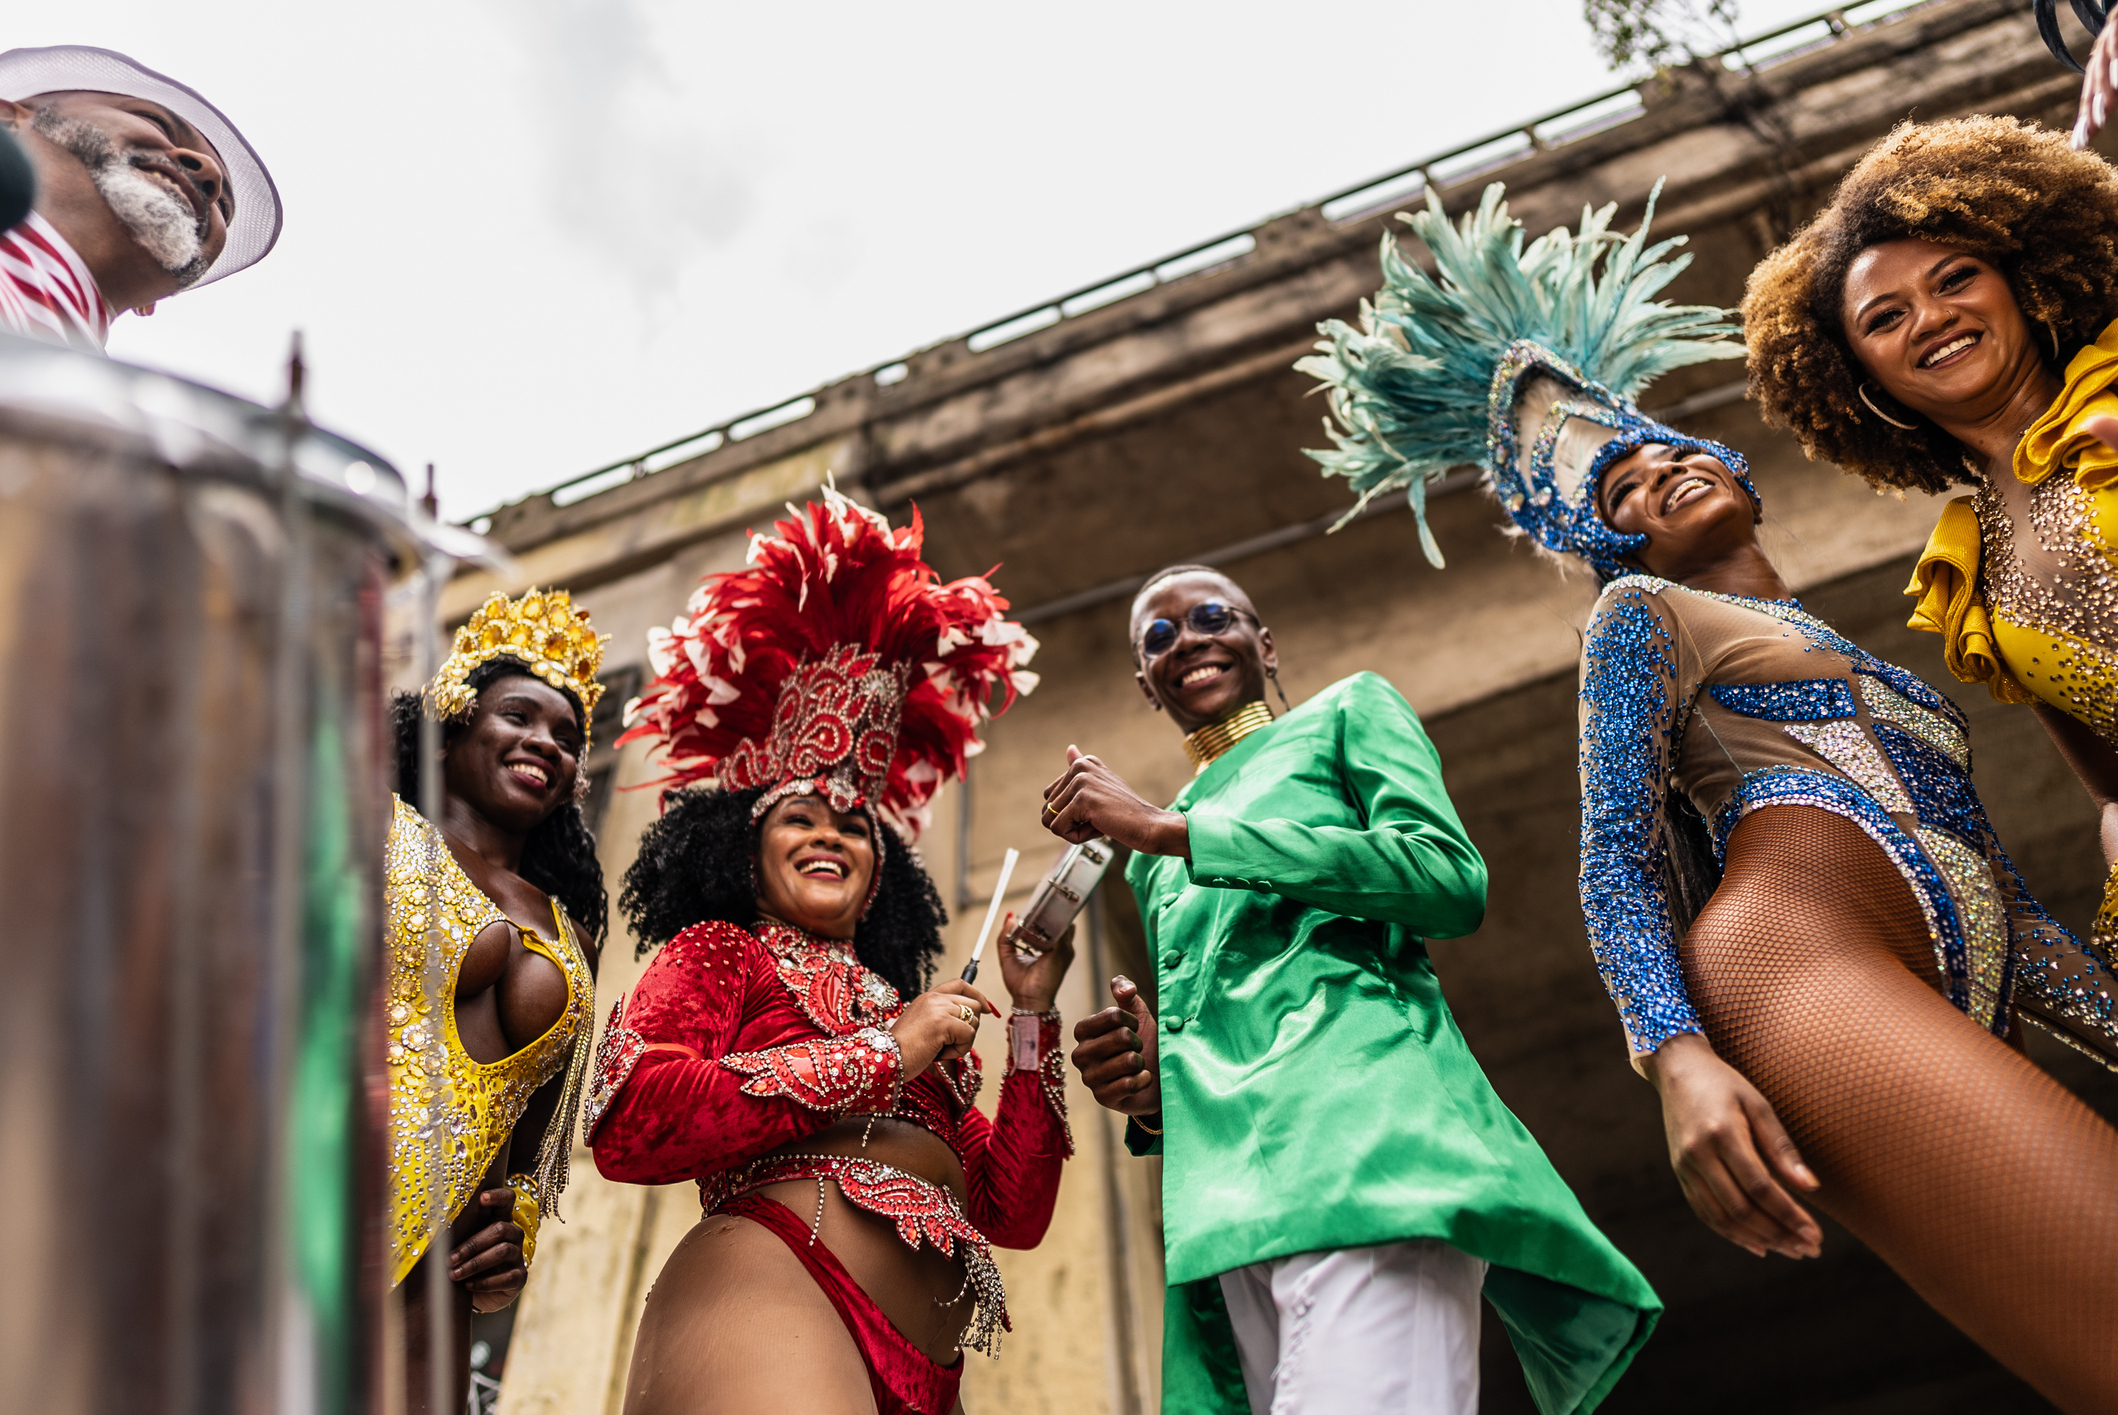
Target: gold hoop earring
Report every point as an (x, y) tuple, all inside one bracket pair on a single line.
[(2053, 330), (1863, 391)]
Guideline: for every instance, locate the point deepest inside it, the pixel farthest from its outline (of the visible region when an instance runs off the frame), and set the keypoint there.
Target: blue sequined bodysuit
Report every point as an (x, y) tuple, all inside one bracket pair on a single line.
[(1742, 703)]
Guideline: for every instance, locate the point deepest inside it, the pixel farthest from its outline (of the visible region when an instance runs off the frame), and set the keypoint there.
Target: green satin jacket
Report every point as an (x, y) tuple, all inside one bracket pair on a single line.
[(1315, 1091)]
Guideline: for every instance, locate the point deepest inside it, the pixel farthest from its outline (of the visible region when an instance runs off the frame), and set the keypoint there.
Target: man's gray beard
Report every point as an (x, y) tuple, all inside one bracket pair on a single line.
[(164, 224)]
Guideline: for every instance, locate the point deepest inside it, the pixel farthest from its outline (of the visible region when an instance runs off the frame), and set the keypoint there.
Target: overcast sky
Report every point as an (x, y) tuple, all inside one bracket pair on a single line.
[(528, 237)]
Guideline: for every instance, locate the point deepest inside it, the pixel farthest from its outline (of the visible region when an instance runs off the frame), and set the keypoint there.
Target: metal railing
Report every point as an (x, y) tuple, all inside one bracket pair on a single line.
[(1555, 129), (1461, 479)]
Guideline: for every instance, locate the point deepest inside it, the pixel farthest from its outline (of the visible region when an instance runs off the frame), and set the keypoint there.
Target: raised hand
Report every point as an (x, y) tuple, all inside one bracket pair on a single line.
[(1116, 1053), (1033, 978), (1089, 799), (939, 1025), (2097, 88)]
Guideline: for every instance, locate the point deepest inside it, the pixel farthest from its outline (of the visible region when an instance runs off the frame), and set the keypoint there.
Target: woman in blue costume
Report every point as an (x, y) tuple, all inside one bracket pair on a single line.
[(1816, 945)]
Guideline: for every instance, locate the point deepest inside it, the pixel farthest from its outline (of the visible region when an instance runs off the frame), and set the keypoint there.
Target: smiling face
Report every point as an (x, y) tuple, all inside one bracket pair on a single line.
[(113, 165), (515, 762), (1201, 679), (1940, 330), (814, 865), (1688, 504)]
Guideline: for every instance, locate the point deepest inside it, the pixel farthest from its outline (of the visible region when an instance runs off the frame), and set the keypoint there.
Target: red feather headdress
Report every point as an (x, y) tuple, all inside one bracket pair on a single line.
[(836, 663)]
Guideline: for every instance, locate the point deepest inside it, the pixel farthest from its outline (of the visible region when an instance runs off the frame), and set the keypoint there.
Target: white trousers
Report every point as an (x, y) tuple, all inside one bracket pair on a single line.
[(1389, 1330)]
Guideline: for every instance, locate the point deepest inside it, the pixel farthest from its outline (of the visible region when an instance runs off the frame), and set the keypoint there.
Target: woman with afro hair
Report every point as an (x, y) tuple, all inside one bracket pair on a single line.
[(1816, 943), (785, 1049), (1951, 318), (501, 898)]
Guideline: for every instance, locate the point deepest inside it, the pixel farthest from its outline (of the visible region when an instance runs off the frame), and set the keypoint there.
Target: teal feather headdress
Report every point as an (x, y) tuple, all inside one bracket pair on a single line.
[(1440, 370)]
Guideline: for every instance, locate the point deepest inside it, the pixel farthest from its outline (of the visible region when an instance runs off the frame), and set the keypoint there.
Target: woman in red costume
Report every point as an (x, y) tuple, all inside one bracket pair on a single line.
[(808, 707)]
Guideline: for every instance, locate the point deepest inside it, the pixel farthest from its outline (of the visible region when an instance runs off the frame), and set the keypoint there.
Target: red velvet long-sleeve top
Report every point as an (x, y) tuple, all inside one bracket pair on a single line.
[(737, 1043)]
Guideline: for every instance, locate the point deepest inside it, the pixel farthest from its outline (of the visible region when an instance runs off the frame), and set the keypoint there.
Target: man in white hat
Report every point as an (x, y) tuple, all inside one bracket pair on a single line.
[(143, 189)]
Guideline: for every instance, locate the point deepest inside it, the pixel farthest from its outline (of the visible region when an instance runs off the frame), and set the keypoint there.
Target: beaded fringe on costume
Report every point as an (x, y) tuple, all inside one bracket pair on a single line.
[(448, 1113), (922, 1211)]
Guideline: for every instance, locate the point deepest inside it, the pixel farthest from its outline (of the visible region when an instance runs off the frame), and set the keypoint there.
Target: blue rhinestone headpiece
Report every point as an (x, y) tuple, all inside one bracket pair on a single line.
[(1551, 435), (1522, 359)]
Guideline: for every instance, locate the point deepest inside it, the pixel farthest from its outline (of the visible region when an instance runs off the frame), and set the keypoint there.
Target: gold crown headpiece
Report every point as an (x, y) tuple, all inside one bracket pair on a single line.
[(543, 632)]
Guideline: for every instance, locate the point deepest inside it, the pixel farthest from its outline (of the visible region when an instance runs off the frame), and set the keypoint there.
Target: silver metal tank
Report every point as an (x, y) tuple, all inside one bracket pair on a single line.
[(192, 809)]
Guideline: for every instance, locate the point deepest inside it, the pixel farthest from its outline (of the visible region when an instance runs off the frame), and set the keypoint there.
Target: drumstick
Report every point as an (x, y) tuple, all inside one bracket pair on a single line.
[(1007, 867)]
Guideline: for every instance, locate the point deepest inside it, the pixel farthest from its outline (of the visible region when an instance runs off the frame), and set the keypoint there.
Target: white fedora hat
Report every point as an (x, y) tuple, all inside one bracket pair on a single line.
[(25, 73)]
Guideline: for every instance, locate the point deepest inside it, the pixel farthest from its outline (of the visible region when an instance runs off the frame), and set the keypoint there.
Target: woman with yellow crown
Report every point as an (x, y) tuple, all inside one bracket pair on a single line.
[(483, 1095), (1952, 319), (784, 1049)]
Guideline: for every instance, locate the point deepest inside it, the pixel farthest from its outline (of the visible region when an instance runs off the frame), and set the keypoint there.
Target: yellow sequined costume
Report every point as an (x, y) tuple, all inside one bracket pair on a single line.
[(433, 1175), (2022, 581)]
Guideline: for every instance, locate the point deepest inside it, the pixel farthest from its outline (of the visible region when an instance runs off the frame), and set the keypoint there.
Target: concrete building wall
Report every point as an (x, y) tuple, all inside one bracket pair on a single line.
[(1168, 427)]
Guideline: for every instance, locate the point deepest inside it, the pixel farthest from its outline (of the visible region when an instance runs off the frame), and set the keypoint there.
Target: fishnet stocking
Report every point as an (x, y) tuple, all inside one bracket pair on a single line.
[(1983, 1182)]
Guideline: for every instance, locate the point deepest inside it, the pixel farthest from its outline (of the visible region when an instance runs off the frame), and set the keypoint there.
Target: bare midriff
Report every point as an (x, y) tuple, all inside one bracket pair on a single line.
[(919, 1290)]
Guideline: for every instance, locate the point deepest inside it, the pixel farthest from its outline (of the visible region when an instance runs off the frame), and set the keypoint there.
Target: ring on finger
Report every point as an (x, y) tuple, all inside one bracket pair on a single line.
[(968, 1013)]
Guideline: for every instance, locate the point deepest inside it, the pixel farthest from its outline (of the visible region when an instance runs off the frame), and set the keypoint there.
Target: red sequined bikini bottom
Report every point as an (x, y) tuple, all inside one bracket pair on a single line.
[(922, 1210), (905, 1380)]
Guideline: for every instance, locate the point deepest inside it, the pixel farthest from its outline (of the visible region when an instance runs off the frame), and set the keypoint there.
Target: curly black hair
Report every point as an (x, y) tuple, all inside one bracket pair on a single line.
[(559, 857), (2007, 191), (695, 864)]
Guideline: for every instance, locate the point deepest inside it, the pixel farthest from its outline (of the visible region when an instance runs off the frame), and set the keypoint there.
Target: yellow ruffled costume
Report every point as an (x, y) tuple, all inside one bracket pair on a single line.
[(1946, 582), (2027, 602)]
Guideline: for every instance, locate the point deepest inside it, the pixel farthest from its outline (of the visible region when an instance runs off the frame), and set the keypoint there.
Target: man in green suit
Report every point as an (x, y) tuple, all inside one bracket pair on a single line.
[(1340, 1183)]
